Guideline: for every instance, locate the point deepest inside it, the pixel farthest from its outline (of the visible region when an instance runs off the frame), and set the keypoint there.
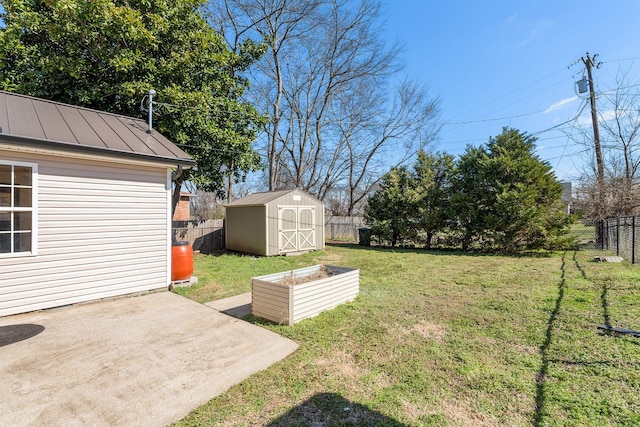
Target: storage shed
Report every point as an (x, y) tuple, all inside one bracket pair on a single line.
[(275, 223), (85, 208)]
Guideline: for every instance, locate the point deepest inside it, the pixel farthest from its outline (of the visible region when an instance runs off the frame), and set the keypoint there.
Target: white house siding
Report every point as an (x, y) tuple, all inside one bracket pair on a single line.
[(102, 232)]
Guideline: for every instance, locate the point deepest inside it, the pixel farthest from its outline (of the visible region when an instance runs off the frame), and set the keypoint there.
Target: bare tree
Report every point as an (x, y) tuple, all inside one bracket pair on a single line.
[(619, 122), (396, 132), (622, 140), (325, 82), (279, 24)]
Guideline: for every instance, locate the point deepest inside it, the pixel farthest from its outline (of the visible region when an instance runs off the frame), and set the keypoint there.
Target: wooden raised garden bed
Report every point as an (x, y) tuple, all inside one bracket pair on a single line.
[(291, 296)]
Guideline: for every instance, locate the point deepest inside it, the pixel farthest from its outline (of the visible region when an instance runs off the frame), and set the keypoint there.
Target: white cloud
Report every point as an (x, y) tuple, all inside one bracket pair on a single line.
[(584, 120), (561, 103), (524, 33), (511, 19), (603, 116)]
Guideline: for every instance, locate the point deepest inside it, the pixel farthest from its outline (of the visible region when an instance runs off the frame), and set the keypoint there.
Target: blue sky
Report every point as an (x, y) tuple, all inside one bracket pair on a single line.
[(509, 60)]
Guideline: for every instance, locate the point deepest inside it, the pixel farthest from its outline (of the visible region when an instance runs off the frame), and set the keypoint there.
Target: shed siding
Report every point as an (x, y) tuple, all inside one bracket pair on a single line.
[(102, 232), (252, 224), (245, 229)]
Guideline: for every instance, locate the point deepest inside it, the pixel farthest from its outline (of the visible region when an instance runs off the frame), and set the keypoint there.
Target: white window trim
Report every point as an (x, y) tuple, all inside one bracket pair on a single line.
[(34, 209)]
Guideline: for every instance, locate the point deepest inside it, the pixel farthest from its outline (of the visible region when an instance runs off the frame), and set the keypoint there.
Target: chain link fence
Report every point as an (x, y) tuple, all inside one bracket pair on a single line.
[(620, 235)]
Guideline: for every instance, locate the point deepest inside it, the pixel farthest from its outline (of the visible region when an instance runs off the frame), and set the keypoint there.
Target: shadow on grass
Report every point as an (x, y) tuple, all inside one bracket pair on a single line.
[(604, 296), (611, 363), (331, 409), (541, 376), (436, 251), (220, 252), (398, 249), (578, 266)]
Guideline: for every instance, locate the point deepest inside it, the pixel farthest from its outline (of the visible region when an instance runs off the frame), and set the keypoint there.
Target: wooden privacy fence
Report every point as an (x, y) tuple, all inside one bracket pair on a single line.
[(208, 235), (621, 235), (204, 235), (342, 227)]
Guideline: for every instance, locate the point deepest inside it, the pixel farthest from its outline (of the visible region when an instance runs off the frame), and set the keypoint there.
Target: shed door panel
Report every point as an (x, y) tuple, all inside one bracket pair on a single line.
[(306, 228), (287, 229), (296, 228)]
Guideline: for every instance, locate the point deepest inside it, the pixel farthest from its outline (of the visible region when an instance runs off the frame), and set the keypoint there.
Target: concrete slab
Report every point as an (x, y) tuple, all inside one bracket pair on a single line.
[(236, 306), (139, 361)]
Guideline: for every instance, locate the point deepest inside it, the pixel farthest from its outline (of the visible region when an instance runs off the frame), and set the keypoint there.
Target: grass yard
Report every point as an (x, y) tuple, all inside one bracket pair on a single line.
[(444, 339)]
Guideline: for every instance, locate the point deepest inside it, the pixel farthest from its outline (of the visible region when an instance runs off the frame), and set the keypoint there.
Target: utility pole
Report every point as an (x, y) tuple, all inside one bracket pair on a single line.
[(589, 63)]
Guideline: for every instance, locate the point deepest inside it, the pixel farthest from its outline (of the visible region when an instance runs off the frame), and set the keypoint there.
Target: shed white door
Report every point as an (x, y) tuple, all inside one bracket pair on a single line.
[(296, 228)]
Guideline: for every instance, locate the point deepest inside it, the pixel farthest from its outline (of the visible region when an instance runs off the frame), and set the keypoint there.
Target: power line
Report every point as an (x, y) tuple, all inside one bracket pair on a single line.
[(620, 60), (555, 127), (564, 149), (380, 123), (512, 92)]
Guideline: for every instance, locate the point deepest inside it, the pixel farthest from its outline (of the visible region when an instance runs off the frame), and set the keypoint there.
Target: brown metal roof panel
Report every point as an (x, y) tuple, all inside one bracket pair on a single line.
[(79, 126), (170, 147), (41, 123), (23, 120), (54, 126), (108, 136), (163, 145), (153, 141), (125, 129)]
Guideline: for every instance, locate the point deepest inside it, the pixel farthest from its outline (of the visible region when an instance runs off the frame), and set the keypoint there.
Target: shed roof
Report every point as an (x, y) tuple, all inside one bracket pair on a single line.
[(29, 121), (261, 199)]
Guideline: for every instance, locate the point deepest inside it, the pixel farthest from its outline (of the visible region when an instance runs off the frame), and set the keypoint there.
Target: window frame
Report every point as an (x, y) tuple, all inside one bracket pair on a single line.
[(33, 209)]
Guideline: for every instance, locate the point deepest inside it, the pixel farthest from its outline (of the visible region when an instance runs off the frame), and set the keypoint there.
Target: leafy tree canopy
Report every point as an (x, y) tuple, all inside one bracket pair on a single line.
[(433, 173), (391, 209), (107, 54), (499, 196), (506, 197)]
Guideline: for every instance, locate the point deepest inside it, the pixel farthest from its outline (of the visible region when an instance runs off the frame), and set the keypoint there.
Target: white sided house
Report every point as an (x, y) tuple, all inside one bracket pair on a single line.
[(275, 223), (85, 208)]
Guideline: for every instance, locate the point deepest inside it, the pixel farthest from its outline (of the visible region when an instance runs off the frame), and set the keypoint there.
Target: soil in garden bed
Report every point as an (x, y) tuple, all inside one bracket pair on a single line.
[(320, 274)]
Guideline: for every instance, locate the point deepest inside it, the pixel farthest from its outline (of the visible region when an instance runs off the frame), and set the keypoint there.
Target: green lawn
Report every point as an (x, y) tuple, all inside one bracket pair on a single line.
[(444, 339)]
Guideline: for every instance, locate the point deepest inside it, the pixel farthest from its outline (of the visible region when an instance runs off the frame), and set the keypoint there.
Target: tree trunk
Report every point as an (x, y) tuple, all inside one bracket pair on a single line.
[(427, 245), (175, 195)]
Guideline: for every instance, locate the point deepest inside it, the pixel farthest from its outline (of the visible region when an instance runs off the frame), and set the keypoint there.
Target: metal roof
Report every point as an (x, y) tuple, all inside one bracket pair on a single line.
[(29, 121), (261, 199)]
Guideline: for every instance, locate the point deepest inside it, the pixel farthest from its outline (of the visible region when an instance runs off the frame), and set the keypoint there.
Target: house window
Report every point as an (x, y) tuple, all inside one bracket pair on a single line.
[(17, 208)]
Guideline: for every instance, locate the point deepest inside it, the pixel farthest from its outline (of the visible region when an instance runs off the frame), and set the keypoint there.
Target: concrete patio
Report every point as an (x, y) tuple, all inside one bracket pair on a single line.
[(140, 361)]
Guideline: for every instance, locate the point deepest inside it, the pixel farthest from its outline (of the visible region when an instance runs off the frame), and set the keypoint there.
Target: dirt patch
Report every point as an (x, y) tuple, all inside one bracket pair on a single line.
[(330, 258), (430, 330), (355, 379), (323, 273), (461, 415), (427, 330), (341, 363)]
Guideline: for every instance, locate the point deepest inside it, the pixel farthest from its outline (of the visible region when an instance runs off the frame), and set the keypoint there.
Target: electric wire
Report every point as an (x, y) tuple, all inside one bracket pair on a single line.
[(564, 149), (329, 121), (381, 123), (621, 60)]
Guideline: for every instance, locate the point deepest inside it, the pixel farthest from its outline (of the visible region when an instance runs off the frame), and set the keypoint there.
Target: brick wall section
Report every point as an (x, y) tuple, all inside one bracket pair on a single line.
[(183, 210)]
